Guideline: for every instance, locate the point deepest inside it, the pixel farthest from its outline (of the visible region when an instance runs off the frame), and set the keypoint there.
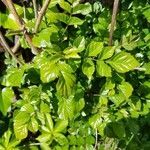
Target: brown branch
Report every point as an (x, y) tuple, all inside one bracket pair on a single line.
[(14, 12), (113, 21), (5, 3), (21, 24), (16, 46), (35, 8), (41, 14), (8, 49)]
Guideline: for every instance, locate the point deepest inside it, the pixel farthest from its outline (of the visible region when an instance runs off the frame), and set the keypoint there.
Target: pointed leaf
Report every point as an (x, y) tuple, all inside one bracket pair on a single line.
[(60, 125), (88, 68), (94, 48), (126, 89), (61, 139), (65, 5), (65, 84), (20, 131), (6, 98), (33, 125), (49, 121), (123, 62), (66, 108), (107, 52), (103, 69)]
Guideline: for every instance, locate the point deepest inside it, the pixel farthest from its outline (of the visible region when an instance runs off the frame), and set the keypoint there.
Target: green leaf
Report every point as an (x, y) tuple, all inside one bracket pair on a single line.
[(123, 62), (60, 125), (20, 131), (45, 137), (95, 121), (83, 9), (44, 108), (94, 48), (118, 99), (21, 117), (103, 69), (65, 5), (147, 67), (8, 21), (66, 108), (6, 98), (61, 139), (75, 21), (119, 129), (65, 84), (49, 72), (45, 146), (27, 108), (49, 122), (63, 18), (107, 52), (71, 52), (146, 13), (79, 43), (42, 39), (33, 125), (126, 89), (14, 77), (88, 68)]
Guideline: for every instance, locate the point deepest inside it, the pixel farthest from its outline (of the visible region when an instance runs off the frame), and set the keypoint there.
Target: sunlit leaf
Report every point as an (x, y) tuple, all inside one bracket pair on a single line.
[(123, 62)]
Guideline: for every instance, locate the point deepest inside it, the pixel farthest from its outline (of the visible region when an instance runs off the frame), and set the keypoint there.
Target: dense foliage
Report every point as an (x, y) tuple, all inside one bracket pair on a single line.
[(77, 93)]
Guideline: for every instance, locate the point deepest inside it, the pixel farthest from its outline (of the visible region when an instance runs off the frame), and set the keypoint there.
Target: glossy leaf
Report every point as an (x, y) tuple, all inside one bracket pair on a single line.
[(33, 125), (65, 84), (66, 108), (60, 138), (65, 5), (94, 48), (126, 89), (103, 69), (21, 131), (6, 98), (107, 52), (82, 9), (60, 125), (79, 43), (123, 62), (14, 77)]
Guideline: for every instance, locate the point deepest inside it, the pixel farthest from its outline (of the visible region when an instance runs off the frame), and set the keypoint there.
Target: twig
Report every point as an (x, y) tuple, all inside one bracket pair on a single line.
[(41, 14), (7, 48), (96, 139), (113, 21), (35, 8), (16, 46), (21, 24), (5, 3), (14, 12)]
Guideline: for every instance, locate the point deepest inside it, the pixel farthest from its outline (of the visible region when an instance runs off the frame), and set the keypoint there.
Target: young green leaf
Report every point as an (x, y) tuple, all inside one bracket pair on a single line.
[(6, 98), (94, 48), (61, 139), (107, 52), (14, 77), (65, 5), (65, 84), (126, 88), (103, 69), (83, 9), (88, 68), (20, 131), (123, 62), (79, 43), (60, 125)]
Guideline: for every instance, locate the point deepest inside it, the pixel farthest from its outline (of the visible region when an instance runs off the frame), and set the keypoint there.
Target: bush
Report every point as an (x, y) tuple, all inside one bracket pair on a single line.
[(63, 87)]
